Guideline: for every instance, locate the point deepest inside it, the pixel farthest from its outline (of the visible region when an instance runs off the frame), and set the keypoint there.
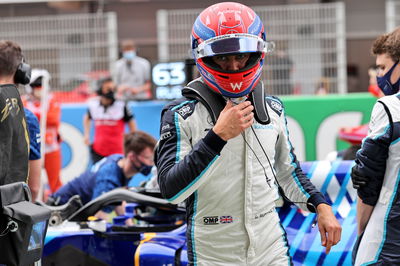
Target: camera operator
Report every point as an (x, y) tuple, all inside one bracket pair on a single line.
[(14, 139)]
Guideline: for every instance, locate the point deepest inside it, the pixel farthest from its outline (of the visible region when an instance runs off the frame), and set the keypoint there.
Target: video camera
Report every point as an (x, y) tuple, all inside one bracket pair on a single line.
[(23, 226)]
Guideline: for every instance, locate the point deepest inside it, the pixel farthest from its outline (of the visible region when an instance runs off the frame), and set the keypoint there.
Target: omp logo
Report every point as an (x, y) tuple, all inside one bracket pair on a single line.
[(184, 110), (237, 86), (11, 107), (276, 106), (210, 220)]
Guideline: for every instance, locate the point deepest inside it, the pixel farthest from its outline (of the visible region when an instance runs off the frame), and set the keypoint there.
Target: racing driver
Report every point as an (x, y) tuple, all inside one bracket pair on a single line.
[(229, 171)]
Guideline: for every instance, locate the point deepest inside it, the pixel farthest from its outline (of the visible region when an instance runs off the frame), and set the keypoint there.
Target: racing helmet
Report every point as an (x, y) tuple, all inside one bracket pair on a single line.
[(229, 28), (36, 79)]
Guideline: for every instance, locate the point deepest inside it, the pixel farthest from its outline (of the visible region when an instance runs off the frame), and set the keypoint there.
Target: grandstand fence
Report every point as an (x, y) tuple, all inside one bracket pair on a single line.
[(392, 20), (76, 49), (310, 45)]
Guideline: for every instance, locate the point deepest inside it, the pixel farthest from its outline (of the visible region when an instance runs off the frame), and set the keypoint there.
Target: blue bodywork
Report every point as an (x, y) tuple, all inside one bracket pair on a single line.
[(86, 247)]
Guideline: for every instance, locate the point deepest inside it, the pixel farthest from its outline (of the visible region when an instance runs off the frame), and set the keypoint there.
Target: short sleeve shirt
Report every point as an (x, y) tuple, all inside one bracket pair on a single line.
[(34, 135)]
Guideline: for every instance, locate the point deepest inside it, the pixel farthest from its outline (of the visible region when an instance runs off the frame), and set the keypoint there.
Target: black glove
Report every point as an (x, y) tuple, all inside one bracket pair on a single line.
[(358, 179)]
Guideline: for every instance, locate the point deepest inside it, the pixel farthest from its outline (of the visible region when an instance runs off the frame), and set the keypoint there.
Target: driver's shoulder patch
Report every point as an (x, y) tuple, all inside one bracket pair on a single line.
[(185, 109), (275, 104)]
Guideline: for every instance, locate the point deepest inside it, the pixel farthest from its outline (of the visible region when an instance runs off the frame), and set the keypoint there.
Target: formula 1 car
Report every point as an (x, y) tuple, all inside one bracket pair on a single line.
[(157, 236)]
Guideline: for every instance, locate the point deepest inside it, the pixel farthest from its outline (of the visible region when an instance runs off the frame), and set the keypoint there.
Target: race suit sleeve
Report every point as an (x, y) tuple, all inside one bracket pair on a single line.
[(296, 186), (371, 158), (182, 168)]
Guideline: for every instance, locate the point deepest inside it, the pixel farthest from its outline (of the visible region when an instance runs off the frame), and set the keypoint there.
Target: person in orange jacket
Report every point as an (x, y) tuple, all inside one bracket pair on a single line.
[(52, 147)]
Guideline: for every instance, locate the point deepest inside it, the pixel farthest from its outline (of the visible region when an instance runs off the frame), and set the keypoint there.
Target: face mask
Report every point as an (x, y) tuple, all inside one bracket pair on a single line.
[(385, 85), (129, 55), (144, 169), (109, 95)]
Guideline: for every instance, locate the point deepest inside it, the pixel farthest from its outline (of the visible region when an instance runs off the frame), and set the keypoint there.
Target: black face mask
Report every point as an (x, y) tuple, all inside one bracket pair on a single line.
[(144, 169), (109, 95)]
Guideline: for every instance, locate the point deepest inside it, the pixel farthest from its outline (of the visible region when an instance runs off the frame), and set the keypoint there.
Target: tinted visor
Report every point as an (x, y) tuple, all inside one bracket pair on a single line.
[(231, 44)]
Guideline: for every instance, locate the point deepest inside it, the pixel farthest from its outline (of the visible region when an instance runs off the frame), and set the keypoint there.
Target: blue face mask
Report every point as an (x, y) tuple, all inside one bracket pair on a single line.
[(144, 169), (384, 82), (129, 55)]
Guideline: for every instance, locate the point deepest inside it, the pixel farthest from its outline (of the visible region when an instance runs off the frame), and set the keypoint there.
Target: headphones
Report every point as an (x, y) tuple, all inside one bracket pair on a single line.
[(23, 74)]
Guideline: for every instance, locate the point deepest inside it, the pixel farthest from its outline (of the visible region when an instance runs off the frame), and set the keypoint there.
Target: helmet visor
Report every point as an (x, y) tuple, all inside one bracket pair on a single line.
[(232, 44)]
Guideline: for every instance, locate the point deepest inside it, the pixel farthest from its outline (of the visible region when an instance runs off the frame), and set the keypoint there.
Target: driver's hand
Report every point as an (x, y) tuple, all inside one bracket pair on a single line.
[(328, 226), (234, 119)]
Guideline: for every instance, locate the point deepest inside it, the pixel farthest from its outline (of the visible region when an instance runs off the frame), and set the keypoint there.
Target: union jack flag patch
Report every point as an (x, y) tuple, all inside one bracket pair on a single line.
[(225, 219)]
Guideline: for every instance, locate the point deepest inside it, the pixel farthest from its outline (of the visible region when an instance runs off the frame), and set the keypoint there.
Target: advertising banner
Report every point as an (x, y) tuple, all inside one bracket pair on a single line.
[(313, 122)]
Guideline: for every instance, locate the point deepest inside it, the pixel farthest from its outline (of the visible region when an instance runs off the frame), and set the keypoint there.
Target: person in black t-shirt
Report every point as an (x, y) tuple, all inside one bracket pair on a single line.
[(14, 138)]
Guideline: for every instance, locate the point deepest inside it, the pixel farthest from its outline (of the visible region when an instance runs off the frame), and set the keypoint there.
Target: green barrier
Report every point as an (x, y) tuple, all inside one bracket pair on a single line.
[(314, 121)]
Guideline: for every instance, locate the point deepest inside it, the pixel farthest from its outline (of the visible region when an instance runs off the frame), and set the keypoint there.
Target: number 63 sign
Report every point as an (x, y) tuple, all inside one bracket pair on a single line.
[(168, 80)]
